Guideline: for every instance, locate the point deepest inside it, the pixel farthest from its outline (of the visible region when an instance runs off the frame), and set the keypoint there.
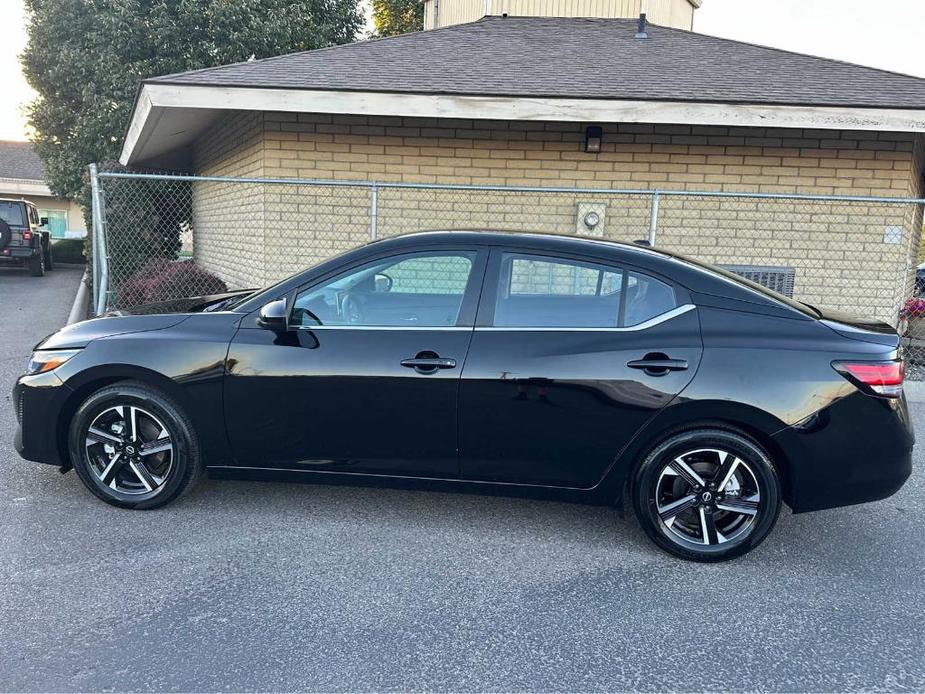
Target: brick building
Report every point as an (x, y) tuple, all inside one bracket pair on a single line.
[(516, 101)]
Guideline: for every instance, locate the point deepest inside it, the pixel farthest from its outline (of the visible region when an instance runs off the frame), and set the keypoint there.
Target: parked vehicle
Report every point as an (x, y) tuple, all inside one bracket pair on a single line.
[(23, 240), (522, 363)]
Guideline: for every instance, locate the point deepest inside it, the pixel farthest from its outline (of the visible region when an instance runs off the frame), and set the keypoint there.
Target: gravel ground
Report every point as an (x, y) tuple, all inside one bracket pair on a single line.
[(262, 586)]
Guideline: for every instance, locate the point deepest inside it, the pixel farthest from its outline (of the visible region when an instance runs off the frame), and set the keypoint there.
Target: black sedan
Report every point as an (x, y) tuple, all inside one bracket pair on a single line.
[(510, 363)]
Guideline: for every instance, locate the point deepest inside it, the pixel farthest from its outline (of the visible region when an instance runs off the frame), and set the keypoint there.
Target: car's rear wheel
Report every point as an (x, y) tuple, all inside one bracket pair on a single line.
[(134, 447), (707, 495), (37, 265)]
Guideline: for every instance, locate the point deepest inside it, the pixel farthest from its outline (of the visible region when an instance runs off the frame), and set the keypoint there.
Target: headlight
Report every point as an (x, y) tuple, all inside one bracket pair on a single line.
[(48, 359)]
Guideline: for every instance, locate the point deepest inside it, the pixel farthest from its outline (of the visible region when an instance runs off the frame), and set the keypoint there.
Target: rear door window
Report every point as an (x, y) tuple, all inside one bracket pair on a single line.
[(646, 298), (547, 292)]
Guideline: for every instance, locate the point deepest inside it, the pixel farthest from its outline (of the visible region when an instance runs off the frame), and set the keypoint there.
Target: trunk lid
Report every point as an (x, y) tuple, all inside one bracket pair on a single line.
[(863, 329)]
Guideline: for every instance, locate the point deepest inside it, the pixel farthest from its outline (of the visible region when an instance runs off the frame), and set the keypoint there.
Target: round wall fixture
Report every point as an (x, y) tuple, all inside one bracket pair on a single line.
[(592, 219)]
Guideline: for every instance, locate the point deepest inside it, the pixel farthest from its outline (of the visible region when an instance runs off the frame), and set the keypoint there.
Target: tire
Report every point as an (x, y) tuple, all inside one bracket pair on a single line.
[(37, 265), (695, 516), (6, 234), (49, 256), (136, 479)]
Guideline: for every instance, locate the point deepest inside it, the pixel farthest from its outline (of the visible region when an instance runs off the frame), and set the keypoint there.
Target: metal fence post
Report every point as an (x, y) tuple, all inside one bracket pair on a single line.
[(653, 218), (100, 256), (373, 212)]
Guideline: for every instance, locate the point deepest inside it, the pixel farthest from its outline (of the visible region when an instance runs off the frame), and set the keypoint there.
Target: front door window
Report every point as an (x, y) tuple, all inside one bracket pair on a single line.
[(417, 290)]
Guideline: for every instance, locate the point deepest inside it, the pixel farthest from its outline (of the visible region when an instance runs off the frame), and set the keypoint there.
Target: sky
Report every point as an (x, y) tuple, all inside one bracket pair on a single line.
[(888, 34)]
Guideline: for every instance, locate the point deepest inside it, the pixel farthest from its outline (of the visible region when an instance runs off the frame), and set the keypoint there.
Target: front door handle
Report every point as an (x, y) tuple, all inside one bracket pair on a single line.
[(428, 365), (658, 366)]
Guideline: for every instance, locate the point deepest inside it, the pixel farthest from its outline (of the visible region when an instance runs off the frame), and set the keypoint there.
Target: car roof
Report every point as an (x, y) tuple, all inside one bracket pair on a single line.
[(524, 239)]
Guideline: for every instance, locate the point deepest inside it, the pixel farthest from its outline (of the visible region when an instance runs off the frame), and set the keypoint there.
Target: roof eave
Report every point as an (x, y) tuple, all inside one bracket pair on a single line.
[(166, 116)]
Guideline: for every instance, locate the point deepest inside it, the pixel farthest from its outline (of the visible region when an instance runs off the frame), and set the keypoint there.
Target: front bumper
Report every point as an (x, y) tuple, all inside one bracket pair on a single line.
[(856, 450), (39, 401)]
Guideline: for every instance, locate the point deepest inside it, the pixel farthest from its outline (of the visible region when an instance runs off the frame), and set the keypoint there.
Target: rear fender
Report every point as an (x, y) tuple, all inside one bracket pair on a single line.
[(683, 415)]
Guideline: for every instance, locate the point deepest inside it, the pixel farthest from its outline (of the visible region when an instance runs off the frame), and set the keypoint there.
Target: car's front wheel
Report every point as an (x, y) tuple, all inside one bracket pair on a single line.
[(48, 256), (707, 494), (133, 446)]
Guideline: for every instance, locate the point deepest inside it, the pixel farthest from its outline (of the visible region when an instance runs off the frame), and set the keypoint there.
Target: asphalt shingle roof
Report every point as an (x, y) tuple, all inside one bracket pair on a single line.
[(19, 160), (578, 58)]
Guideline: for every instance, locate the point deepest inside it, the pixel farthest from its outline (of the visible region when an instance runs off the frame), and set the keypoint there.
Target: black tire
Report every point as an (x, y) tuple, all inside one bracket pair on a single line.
[(6, 234), (662, 491), (49, 256), (181, 470), (37, 265)]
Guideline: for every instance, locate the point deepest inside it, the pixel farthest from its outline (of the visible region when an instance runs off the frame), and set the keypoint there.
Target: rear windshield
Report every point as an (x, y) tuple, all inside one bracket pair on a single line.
[(748, 284), (11, 213)]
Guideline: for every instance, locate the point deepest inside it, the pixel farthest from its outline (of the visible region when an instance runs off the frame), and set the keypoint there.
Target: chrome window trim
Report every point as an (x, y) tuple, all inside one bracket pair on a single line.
[(661, 318), (652, 322), (384, 327)]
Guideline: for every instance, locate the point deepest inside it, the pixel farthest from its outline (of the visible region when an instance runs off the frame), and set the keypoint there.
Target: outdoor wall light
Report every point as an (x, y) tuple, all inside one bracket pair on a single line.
[(594, 134)]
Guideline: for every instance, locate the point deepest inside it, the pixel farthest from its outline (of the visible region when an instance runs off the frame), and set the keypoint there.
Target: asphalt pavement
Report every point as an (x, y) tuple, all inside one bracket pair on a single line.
[(268, 586)]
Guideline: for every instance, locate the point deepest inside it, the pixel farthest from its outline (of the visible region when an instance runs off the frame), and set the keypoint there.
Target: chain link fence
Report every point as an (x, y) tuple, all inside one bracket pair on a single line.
[(167, 236)]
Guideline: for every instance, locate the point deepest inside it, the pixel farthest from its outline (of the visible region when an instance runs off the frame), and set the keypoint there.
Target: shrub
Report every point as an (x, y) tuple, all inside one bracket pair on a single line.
[(162, 279), (913, 308), (68, 251), (184, 278)]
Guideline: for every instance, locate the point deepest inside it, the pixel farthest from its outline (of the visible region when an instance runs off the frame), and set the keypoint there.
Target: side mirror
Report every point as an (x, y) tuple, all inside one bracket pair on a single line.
[(43, 221), (383, 283), (274, 316)]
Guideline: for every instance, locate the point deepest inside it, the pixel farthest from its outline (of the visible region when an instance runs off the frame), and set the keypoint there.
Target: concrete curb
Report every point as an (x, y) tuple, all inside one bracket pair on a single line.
[(79, 307)]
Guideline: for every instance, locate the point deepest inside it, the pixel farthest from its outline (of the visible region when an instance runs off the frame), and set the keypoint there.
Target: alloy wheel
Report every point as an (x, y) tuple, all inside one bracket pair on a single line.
[(707, 497), (129, 450)]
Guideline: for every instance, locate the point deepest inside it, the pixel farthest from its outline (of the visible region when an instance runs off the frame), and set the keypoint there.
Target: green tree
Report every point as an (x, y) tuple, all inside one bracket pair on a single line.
[(86, 58), (393, 17)]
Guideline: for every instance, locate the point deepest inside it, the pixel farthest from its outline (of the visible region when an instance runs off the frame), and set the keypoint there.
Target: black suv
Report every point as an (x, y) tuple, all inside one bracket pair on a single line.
[(22, 239)]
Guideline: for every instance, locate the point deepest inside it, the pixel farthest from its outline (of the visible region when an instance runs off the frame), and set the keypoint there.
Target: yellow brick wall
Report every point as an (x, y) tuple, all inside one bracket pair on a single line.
[(226, 216), (838, 250)]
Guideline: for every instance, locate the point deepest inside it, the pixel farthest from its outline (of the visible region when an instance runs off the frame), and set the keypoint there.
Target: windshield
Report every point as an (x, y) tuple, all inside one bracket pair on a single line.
[(11, 213)]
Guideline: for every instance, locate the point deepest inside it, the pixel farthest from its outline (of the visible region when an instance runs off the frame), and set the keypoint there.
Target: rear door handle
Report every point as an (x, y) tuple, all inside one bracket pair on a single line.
[(429, 363), (658, 367)]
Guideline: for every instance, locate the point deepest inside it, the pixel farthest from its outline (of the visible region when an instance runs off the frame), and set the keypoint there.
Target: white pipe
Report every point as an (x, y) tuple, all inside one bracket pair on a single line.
[(79, 307)]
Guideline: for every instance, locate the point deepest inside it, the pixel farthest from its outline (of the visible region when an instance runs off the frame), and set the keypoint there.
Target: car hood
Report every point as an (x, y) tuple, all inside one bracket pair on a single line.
[(156, 316), (83, 333), (865, 329)]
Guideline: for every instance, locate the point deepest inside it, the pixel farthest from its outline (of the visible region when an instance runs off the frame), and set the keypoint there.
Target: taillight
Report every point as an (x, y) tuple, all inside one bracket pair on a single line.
[(27, 236), (884, 378)]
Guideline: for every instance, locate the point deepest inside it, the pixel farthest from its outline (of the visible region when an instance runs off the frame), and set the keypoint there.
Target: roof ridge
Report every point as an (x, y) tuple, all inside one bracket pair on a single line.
[(495, 19), (363, 42)]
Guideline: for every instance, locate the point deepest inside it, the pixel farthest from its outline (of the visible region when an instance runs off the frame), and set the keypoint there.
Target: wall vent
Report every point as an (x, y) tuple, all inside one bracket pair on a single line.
[(780, 279)]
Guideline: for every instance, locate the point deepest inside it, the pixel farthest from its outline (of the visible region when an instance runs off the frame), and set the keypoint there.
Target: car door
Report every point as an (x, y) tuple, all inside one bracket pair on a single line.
[(569, 359), (366, 380)]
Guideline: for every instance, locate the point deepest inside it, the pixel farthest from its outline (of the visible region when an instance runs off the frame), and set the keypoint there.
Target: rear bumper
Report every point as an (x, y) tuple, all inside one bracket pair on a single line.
[(39, 401), (859, 449), (16, 255)]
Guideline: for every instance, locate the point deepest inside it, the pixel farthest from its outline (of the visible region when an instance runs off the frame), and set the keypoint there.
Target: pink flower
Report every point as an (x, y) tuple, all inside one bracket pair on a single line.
[(913, 308)]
